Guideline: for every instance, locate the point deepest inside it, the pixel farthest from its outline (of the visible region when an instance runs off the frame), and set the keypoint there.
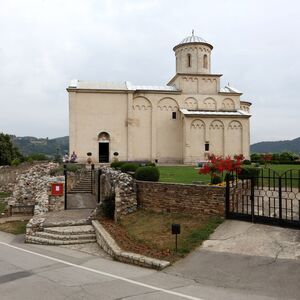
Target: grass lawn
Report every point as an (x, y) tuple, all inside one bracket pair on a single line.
[(181, 174), (15, 227), (149, 233), (188, 174), (280, 169)]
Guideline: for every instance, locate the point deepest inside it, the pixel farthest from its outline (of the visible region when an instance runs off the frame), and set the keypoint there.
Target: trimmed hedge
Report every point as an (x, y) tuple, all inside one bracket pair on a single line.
[(147, 173), (117, 164), (129, 167)]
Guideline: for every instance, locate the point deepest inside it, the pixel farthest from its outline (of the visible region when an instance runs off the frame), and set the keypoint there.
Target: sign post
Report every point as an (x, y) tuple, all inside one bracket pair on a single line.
[(175, 230)]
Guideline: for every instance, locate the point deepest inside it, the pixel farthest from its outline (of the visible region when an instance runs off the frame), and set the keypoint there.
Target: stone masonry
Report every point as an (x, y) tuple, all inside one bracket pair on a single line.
[(182, 198), (32, 190), (121, 187)]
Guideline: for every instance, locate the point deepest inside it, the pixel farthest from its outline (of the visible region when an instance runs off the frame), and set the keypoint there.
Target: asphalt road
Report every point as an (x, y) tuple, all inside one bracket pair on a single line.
[(49, 272)]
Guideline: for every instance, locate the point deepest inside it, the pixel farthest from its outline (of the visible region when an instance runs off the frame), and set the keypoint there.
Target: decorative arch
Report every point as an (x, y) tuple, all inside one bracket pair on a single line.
[(103, 137), (228, 104), (235, 138), (141, 127), (198, 124), (210, 104), (168, 104), (191, 103), (141, 103), (216, 124), (235, 125), (104, 147), (216, 134)]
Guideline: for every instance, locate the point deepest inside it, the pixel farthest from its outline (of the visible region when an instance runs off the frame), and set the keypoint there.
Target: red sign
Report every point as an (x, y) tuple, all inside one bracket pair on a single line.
[(57, 189)]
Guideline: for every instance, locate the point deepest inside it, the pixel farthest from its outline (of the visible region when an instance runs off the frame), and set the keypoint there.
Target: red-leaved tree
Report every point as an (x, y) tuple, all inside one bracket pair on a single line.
[(217, 165)]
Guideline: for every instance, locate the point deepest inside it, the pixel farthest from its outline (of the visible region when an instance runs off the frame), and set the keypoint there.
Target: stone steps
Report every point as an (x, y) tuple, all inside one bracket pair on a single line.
[(45, 241), (71, 230), (83, 186), (64, 235)]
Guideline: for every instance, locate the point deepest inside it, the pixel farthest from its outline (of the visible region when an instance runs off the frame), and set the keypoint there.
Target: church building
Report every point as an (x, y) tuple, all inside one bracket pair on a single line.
[(182, 122)]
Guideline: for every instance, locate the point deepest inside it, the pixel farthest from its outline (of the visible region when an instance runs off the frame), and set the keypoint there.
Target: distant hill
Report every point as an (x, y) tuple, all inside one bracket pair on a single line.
[(278, 146), (29, 145)]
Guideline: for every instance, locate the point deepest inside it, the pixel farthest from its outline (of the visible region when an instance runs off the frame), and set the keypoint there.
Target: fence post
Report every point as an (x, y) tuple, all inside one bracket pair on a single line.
[(92, 172), (280, 198), (227, 196), (66, 185), (98, 185), (252, 198)]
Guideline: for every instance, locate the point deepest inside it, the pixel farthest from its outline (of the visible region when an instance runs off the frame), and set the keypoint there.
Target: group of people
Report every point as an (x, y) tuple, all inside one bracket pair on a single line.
[(72, 159)]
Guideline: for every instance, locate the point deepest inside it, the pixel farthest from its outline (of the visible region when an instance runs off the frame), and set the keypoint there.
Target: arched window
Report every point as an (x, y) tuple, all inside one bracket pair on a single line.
[(205, 63), (189, 60)]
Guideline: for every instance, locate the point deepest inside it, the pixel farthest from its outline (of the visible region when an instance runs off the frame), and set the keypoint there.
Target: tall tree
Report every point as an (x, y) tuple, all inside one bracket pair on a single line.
[(8, 152)]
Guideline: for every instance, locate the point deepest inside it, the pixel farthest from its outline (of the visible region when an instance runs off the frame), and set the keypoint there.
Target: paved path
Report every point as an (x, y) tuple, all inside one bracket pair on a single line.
[(81, 200), (256, 259)]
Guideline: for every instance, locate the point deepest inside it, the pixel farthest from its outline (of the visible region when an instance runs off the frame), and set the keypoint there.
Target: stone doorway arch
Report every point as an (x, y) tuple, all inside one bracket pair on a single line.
[(103, 141)]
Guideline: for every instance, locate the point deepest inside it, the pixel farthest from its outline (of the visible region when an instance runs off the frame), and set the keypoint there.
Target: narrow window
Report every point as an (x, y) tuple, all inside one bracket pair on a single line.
[(174, 115), (207, 146), (189, 60), (205, 64)]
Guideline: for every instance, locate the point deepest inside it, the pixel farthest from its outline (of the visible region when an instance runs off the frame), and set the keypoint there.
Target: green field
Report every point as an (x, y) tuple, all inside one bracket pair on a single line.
[(181, 174), (188, 174)]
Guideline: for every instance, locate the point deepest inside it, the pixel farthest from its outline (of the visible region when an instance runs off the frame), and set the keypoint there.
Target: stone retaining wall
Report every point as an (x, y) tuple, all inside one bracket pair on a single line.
[(9, 174), (108, 244), (193, 199), (122, 188)]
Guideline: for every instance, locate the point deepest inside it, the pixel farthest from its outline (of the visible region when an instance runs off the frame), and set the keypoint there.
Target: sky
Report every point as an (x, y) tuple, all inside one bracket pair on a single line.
[(46, 43)]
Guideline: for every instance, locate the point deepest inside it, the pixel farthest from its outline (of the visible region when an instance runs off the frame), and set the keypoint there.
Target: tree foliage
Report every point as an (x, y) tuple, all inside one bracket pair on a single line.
[(8, 152)]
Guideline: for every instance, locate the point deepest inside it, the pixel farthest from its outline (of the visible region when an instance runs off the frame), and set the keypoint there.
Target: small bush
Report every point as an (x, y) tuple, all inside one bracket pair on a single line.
[(229, 177), (147, 173), (108, 207), (246, 162), (129, 167), (37, 157), (117, 164), (248, 173), (57, 171), (216, 180), (150, 164), (16, 162)]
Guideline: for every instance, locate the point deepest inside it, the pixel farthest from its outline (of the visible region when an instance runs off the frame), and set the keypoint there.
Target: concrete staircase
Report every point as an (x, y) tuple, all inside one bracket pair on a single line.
[(64, 235), (84, 185)]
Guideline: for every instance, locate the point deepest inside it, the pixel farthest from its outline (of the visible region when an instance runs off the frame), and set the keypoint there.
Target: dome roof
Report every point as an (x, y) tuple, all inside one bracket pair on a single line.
[(193, 39)]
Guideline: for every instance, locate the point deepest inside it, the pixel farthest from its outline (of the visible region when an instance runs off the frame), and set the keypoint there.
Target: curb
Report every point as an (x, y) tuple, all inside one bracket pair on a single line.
[(109, 245)]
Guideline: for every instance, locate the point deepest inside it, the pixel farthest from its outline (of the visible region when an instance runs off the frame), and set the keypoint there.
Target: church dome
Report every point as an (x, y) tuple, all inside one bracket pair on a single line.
[(193, 39)]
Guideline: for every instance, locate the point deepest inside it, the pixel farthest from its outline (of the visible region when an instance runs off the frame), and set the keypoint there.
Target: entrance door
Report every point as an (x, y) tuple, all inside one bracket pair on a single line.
[(103, 152)]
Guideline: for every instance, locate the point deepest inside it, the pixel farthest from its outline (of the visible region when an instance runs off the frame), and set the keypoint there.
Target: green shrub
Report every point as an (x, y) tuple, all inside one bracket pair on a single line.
[(150, 164), (229, 176), (57, 171), (108, 207), (248, 173), (147, 173), (246, 162), (37, 157), (216, 180), (129, 167), (117, 164), (15, 162), (73, 167)]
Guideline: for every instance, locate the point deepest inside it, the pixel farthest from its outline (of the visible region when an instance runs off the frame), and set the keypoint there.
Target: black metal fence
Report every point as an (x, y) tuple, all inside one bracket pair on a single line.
[(266, 197)]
